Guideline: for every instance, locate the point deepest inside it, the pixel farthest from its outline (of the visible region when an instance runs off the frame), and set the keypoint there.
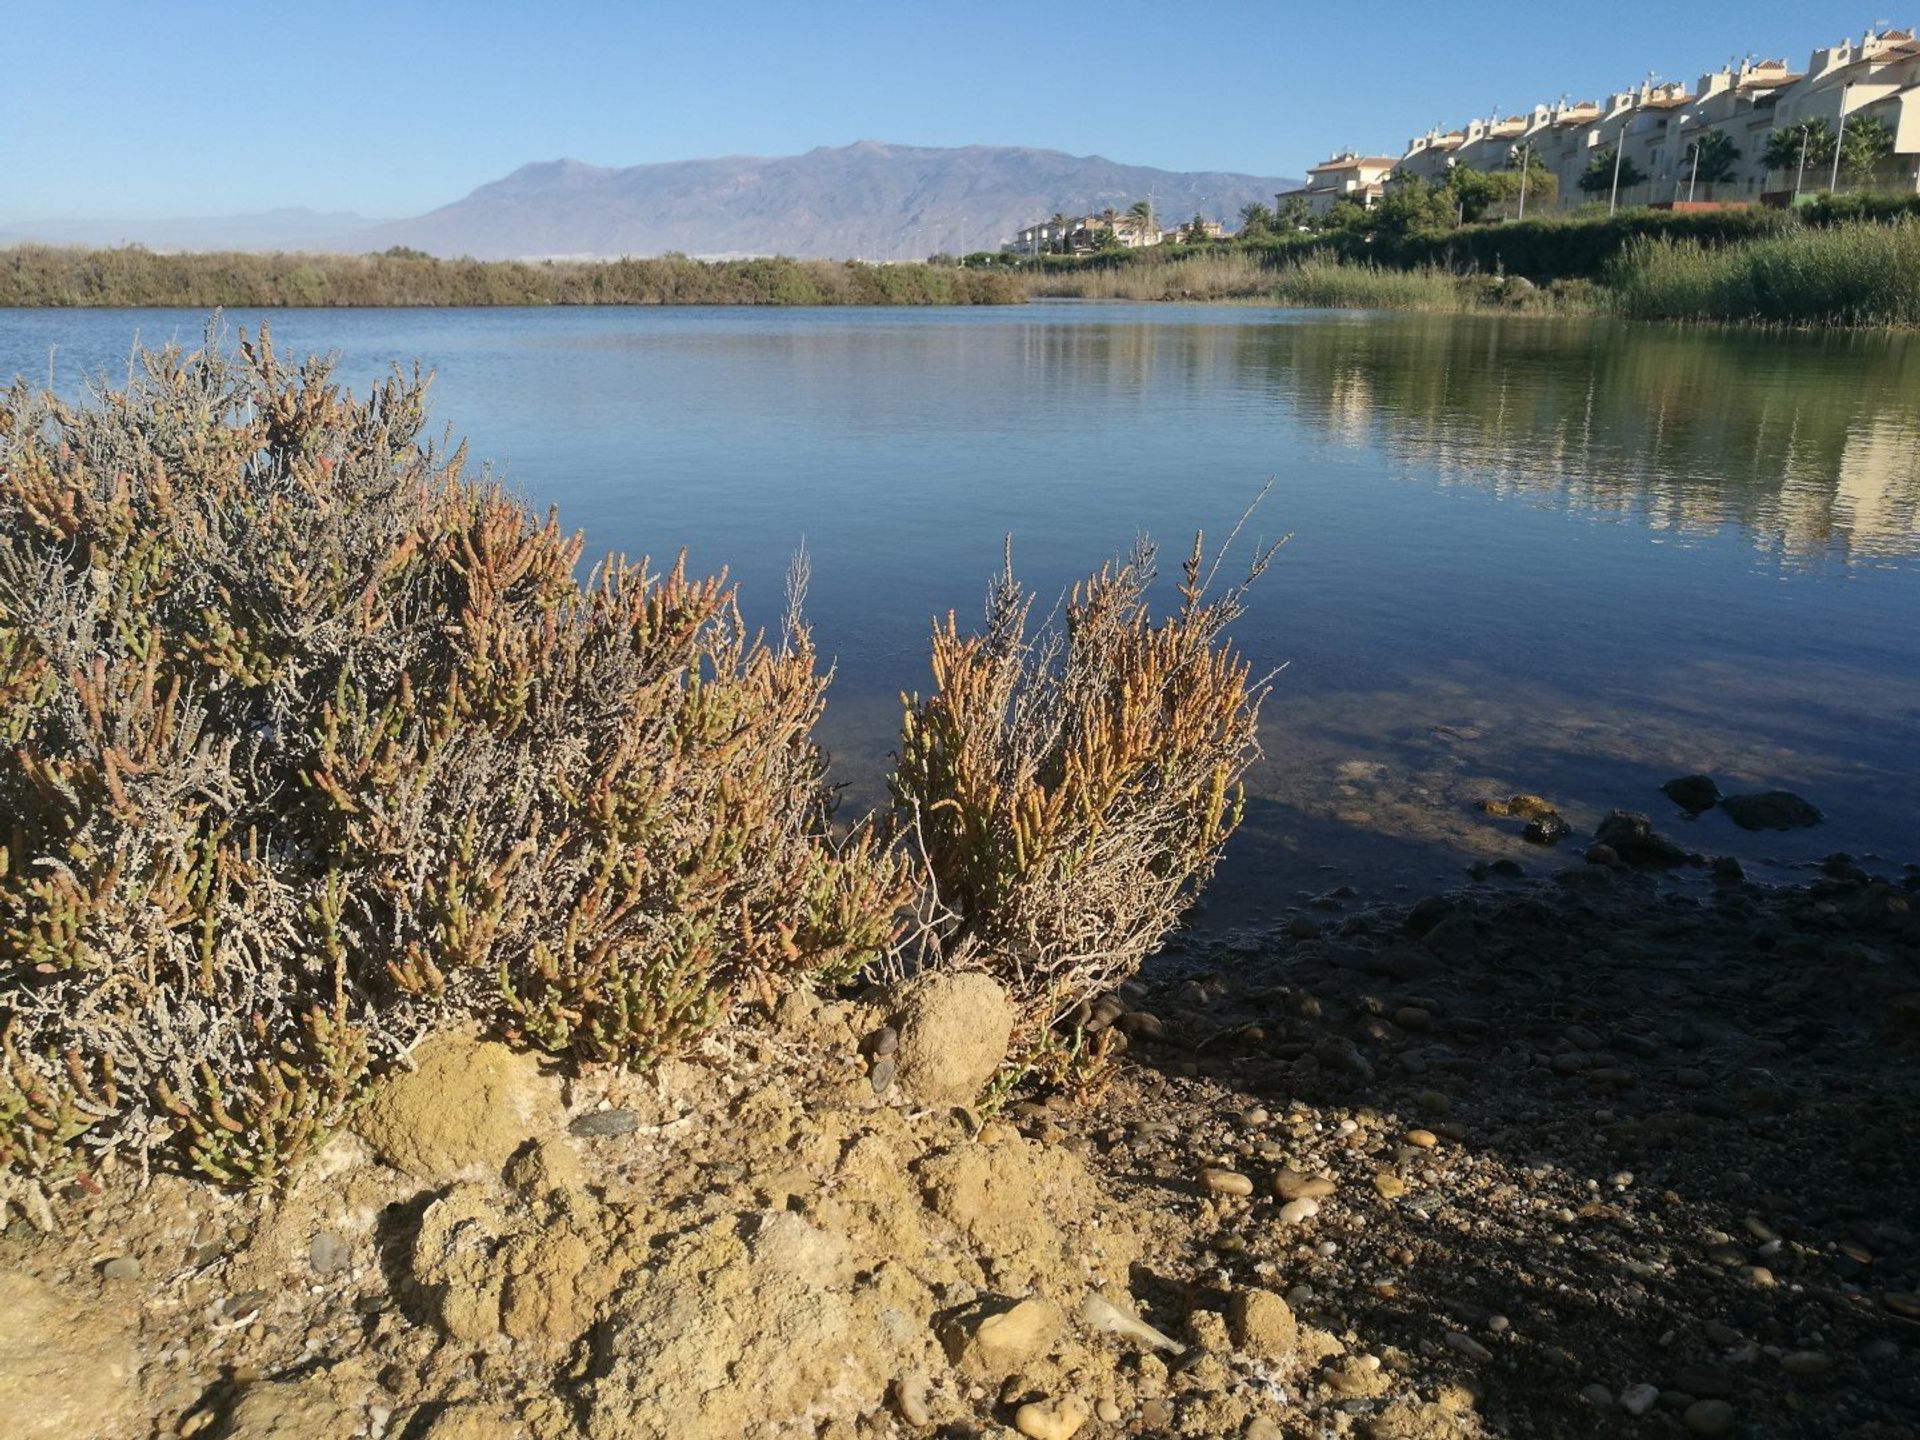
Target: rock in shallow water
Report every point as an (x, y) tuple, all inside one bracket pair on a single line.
[(1547, 829), (1694, 794), (1770, 810), (1631, 836)]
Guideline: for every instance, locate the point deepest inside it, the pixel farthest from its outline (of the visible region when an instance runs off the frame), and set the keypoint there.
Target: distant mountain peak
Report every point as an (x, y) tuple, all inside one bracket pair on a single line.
[(868, 200)]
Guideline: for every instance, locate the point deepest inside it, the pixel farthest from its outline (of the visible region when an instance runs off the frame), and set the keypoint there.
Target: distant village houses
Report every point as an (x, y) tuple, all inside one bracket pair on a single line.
[(1649, 145), (1079, 235)]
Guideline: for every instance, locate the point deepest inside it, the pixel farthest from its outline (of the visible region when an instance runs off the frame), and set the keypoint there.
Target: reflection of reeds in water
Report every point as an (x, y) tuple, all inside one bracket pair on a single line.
[(1809, 445)]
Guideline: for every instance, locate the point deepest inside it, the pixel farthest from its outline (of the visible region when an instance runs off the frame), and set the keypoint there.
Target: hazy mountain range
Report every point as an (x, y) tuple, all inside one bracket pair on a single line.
[(864, 201)]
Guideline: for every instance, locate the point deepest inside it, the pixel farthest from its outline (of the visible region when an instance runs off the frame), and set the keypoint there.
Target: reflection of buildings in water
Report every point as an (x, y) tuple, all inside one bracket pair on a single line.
[(1350, 406), (1878, 489), (1805, 475)]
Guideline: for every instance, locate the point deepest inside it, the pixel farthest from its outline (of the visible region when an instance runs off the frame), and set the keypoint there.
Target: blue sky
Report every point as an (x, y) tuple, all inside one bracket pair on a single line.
[(126, 109)]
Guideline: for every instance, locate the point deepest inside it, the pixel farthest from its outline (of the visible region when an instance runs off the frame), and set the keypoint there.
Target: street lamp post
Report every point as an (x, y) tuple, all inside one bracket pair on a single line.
[(1833, 182), (1619, 152)]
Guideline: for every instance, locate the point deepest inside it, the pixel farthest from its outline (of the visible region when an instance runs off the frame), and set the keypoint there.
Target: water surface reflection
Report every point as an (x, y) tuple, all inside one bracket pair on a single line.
[(1570, 557)]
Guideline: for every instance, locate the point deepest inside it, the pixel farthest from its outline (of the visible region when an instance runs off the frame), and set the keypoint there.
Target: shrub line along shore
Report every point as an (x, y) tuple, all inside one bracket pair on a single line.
[(49, 276), (1836, 264), (1840, 263)]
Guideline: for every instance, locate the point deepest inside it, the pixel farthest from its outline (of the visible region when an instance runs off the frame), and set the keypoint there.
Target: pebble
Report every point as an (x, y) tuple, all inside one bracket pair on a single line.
[(1704, 1383), (1141, 1025), (1290, 1184), (327, 1252), (1156, 1414), (885, 1041), (1709, 1417), (1598, 1396), (1390, 1185), (121, 1267), (1807, 1364), (1639, 1399), (1294, 1211), (910, 1400), (881, 1076), (1110, 1413), (244, 1305), (1422, 1139), (1225, 1182), (1411, 1017), (1468, 1346), (1049, 1420), (601, 1123)]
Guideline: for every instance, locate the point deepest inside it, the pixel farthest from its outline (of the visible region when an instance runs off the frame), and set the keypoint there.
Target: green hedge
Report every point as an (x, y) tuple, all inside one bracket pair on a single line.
[(1558, 248)]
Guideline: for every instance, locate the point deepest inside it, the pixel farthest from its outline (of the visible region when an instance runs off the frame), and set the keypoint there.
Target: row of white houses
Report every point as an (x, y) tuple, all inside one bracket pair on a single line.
[(1655, 130)]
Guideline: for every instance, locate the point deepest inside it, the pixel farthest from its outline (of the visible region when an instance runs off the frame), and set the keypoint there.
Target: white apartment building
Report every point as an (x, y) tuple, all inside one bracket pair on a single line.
[(1655, 128), (1356, 178), (1076, 234)]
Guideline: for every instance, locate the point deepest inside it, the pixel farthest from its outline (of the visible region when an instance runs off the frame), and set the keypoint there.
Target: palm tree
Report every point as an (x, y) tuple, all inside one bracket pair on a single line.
[(1867, 142), (1141, 213), (1607, 173), (1712, 158), (1793, 148), (1255, 219)]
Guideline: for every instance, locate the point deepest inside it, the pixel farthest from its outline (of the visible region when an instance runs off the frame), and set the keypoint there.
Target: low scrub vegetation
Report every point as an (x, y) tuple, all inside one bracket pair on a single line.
[(1848, 274), (1071, 790), (317, 743), (39, 275)]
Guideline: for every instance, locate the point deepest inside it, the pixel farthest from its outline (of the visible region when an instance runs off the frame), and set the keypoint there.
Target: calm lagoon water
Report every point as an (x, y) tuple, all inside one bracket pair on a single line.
[(1569, 557)]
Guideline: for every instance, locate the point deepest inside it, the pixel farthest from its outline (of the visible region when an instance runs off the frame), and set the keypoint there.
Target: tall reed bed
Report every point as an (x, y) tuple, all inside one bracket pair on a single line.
[(1316, 282), (1325, 284), (1848, 275), (43, 275), (1228, 275)]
